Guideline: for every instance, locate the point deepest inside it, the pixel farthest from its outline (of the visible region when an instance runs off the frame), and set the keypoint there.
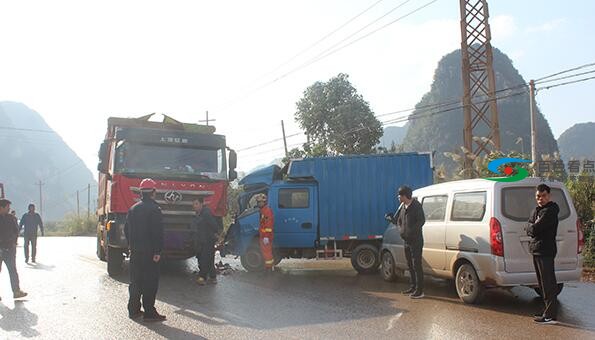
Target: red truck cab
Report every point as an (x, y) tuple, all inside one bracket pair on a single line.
[(186, 160)]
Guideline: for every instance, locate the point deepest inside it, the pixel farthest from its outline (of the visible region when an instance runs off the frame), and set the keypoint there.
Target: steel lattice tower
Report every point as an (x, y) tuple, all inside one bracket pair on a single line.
[(479, 83)]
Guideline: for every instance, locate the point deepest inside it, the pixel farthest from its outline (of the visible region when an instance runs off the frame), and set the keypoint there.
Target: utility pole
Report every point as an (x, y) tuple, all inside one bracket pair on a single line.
[(78, 212), (284, 139), (533, 111), (207, 120), (40, 184), (88, 201), (479, 82)]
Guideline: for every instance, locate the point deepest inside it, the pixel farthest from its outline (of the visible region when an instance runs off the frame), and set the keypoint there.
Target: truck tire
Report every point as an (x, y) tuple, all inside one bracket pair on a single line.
[(468, 286), (365, 259), (100, 250), (115, 258), (540, 293), (387, 270), (252, 260)]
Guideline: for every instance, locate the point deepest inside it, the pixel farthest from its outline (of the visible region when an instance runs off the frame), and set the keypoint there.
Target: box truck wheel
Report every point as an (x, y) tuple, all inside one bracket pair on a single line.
[(365, 258), (100, 250), (252, 260), (115, 257)]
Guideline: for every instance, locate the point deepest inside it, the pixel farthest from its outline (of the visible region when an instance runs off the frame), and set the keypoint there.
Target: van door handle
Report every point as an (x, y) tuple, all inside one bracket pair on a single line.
[(307, 225)]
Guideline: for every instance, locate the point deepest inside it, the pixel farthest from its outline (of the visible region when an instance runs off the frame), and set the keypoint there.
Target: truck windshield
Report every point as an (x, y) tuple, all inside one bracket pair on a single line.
[(156, 159)]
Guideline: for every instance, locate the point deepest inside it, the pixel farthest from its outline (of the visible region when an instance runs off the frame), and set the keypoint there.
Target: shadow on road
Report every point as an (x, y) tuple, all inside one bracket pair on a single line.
[(19, 319), (40, 266)]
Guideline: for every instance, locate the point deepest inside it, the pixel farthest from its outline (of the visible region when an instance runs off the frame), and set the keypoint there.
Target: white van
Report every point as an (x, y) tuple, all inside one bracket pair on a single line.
[(475, 234)]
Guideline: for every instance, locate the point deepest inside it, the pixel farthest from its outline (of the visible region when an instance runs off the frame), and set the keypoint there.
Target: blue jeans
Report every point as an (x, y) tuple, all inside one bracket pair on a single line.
[(8, 256)]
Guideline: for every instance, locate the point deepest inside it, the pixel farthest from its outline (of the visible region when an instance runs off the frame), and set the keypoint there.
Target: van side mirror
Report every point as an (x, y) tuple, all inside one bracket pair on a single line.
[(102, 166)]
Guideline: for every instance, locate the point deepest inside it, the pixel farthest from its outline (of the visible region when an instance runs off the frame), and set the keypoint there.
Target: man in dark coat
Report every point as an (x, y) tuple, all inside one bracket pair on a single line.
[(144, 232), (410, 220), (9, 232), (206, 231), (31, 221), (543, 228)]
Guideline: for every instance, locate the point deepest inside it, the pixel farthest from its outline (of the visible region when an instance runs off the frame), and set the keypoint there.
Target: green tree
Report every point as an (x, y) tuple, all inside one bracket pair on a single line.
[(337, 119)]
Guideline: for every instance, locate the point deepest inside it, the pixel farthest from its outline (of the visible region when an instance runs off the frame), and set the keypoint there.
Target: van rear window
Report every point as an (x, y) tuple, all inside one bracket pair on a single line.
[(518, 202)]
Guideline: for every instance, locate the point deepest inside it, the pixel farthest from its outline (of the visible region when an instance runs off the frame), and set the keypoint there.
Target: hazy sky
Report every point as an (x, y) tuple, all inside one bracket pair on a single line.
[(79, 62)]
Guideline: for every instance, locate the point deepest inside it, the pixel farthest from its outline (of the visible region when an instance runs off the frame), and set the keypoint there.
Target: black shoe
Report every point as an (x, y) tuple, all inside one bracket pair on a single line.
[(26, 260), (33, 261), (537, 315), (417, 295), (135, 315), (155, 317), (546, 321), (408, 291)]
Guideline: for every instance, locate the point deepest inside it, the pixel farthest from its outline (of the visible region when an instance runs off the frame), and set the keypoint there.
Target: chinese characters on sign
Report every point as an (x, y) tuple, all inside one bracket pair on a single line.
[(574, 169), (175, 140)]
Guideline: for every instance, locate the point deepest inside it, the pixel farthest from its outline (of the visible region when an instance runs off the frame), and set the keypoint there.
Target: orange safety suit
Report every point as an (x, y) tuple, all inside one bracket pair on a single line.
[(266, 231)]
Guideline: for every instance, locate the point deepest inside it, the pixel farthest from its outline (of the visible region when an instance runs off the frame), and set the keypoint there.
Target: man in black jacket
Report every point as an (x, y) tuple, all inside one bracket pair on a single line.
[(410, 220), (206, 233), (31, 221), (542, 228), (144, 232), (9, 232)]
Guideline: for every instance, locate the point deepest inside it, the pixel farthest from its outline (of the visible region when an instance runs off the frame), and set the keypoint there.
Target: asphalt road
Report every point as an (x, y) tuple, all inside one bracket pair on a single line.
[(72, 297)]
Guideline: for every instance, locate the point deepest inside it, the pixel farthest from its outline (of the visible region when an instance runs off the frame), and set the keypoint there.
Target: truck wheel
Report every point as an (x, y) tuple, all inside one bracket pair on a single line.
[(388, 267), (115, 257), (252, 260), (100, 250), (365, 259), (468, 286), (540, 293)]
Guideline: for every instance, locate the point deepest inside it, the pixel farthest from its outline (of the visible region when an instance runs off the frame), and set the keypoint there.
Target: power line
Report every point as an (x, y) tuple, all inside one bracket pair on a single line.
[(566, 77), (323, 38), (23, 129), (566, 71), (566, 83), (330, 52)]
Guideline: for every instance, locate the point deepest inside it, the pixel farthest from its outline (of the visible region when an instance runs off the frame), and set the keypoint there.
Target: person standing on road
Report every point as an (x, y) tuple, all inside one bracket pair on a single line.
[(206, 229), (9, 232), (265, 231), (410, 219), (31, 221), (543, 228), (144, 232)]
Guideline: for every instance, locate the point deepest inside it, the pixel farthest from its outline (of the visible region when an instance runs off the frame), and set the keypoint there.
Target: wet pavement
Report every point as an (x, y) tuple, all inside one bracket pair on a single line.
[(71, 296)]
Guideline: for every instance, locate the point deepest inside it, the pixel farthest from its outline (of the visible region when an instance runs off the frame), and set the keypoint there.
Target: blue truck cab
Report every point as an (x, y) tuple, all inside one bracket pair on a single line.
[(327, 207)]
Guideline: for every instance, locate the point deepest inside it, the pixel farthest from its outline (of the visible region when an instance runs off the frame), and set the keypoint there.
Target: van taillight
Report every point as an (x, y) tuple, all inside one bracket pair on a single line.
[(496, 237), (580, 237)]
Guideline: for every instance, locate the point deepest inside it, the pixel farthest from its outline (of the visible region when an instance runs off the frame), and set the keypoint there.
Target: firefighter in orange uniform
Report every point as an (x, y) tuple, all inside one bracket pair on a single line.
[(266, 231)]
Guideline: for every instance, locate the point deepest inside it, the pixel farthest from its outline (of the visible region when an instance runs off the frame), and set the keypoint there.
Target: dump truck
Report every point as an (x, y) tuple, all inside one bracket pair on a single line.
[(186, 160), (328, 207)]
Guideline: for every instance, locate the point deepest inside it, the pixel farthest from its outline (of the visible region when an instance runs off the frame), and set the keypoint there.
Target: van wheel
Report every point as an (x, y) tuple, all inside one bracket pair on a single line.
[(540, 293), (468, 286), (115, 258), (252, 260), (388, 267), (365, 259)]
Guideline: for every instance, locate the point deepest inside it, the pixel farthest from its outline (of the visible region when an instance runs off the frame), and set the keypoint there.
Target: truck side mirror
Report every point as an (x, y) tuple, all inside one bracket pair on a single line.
[(232, 174), (102, 166), (233, 159)]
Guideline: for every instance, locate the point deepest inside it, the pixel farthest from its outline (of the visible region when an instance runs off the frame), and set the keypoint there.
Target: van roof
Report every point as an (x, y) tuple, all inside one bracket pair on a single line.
[(480, 183)]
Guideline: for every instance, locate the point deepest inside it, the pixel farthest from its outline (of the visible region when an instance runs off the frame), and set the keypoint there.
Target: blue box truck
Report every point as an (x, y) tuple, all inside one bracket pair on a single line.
[(328, 207)]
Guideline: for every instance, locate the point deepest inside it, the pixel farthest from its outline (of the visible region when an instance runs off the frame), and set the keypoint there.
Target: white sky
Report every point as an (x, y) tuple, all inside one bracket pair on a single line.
[(79, 62)]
